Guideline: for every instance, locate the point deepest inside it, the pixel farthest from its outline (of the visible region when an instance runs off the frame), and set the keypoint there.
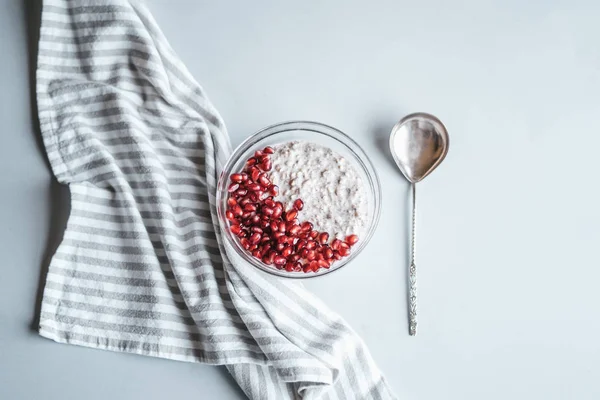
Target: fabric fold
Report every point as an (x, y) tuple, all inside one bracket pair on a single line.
[(142, 267)]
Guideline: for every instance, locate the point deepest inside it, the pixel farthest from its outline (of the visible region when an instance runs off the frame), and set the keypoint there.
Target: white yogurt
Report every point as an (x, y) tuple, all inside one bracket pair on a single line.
[(333, 192)]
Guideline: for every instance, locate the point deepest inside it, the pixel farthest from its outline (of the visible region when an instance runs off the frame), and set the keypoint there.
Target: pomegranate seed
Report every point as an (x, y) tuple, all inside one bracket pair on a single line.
[(264, 224), (267, 210), (231, 202), (298, 204), (274, 226), (237, 210), (280, 246), (294, 257), (235, 229), (254, 173), (291, 214), (306, 268), (277, 212), (295, 229), (279, 260), (269, 202), (245, 243), (266, 165), (237, 178), (256, 253), (300, 245), (351, 239), (241, 192), (229, 215), (282, 239), (255, 238), (289, 267), (251, 161), (253, 247), (277, 235), (323, 237), (247, 215), (323, 264), (265, 248), (233, 187), (267, 260), (314, 234), (310, 244), (336, 255), (244, 176), (344, 249), (282, 226), (244, 200), (255, 219), (304, 252), (274, 190), (297, 267), (310, 255), (268, 150), (256, 229), (249, 207), (336, 244), (328, 253), (314, 266), (306, 226), (286, 251), (258, 153), (264, 181), (255, 187)]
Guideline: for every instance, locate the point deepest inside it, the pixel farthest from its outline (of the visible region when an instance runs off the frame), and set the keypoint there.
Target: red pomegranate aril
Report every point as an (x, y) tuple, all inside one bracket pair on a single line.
[(249, 207), (231, 202), (304, 252), (297, 267), (245, 243), (241, 192), (244, 200), (300, 245), (236, 178), (251, 161), (336, 255), (294, 257), (258, 153), (310, 255), (229, 215), (267, 260), (279, 260), (277, 212), (289, 267), (235, 229), (323, 264), (256, 220), (248, 214), (282, 239), (314, 266), (263, 195), (270, 203), (277, 235), (328, 253), (252, 247), (255, 187), (281, 226), (291, 214), (255, 238), (266, 165), (310, 244), (268, 150), (256, 229), (267, 211), (233, 187), (298, 204), (265, 248), (335, 245), (274, 190), (344, 249), (237, 210), (323, 237), (295, 229), (306, 226), (256, 253), (244, 176), (286, 251), (314, 234), (320, 256), (274, 226), (264, 181), (306, 268), (254, 173), (351, 239), (280, 246)]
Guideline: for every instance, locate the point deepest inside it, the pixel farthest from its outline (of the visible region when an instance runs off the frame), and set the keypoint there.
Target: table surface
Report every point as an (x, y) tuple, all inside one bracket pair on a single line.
[(508, 227)]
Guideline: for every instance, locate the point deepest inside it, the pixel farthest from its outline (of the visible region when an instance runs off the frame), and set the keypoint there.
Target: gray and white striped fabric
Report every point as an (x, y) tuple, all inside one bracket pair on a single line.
[(142, 268)]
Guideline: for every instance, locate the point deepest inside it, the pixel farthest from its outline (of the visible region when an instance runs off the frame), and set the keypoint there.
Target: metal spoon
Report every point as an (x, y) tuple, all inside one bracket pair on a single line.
[(418, 142)]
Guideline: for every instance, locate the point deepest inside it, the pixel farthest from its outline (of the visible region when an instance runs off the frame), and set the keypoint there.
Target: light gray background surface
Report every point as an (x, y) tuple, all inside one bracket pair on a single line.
[(508, 230)]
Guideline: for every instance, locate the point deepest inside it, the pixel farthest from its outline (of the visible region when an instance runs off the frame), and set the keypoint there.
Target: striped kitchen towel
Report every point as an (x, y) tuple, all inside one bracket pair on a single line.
[(142, 267)]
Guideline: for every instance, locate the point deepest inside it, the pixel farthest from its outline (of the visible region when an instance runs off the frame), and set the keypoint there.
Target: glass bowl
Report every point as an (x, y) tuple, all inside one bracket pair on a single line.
[(311, 132)]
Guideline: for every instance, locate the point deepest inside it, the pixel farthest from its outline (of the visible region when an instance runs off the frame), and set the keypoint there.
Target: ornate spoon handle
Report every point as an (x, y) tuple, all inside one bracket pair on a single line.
[(412, 271)]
